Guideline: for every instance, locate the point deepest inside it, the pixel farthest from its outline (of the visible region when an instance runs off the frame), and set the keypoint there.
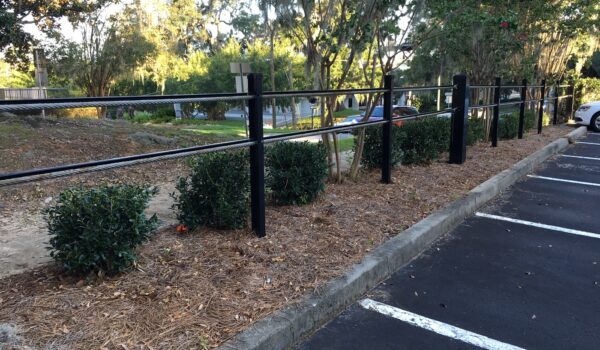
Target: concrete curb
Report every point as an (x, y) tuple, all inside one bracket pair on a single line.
[(286, 327)]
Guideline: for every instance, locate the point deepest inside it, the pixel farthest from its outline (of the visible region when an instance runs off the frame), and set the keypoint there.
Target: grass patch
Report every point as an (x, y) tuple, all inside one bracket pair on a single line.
[(346, 144)]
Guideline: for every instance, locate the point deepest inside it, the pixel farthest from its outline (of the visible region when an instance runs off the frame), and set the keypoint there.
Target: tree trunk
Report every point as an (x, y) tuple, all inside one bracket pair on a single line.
[(272, 68)]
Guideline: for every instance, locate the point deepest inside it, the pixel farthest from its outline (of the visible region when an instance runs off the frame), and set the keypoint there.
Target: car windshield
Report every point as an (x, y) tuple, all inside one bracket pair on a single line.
[(377, 112)]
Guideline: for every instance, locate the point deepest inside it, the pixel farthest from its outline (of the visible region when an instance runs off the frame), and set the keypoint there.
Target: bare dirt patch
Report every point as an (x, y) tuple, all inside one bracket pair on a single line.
[(200, 289)]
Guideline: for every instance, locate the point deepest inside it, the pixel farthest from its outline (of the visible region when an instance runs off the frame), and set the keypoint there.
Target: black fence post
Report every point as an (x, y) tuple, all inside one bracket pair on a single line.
[(496, 118), (555, 111), (541, 110), (386, 149), (459, 122), (257, 154), (522, 108)]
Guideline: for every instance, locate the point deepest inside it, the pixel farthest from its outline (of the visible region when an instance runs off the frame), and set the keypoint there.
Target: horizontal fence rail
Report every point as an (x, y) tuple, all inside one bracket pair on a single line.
[(256, 140)]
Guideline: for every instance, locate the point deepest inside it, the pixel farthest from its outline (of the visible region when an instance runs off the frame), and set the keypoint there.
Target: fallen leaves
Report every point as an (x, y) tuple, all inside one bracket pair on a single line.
[(199, 289)]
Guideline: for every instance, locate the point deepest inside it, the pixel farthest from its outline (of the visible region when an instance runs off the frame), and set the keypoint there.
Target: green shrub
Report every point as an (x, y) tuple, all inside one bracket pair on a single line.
[(424, 140), (296, 171), (415, 142), (98, 229), (475, 130), (144, 117), (216, 192), (530, 118), (508, 126), (371, 157)]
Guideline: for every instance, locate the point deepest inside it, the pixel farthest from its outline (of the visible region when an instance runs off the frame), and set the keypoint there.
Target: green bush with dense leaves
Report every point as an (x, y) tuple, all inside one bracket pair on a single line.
[(98, 229), (530, 119), (508, 126), (216, 192), (371, 157), (296, 171), (415, 142), (475, 130), (422, 141)]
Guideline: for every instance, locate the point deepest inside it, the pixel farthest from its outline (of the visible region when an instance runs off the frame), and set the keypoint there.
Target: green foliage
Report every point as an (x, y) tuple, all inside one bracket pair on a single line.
[(530, 118), (17, 41), (371, 158), (11, 77), (423, 141), (508, 126), (475, 130), (216, 192), (162, 114), (296, 171), (424, 102), (415, 142), (98, 60), (586, 90), (98, 229)]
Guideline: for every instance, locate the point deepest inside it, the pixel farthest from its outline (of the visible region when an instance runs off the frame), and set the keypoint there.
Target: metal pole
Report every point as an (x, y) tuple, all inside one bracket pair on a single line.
[(572, 93), (541, 109), (257, 154), (496, 118), (459, 122), (555, 112), (522, 108), (386, 149)]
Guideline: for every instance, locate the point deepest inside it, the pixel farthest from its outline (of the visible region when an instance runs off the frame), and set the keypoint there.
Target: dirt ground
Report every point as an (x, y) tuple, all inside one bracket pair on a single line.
[(195, 291)]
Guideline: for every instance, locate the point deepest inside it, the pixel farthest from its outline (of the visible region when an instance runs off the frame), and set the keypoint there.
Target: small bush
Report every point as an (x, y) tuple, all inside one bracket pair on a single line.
[(216, 192), (296, 171), (98, 229), (475, 130), (153, 118), (530, 118), (415, 142), (371, 157), (508, 126), (424, 140)]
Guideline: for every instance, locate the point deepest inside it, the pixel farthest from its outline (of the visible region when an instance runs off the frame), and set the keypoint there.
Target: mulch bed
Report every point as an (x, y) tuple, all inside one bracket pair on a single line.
[(197, 290)]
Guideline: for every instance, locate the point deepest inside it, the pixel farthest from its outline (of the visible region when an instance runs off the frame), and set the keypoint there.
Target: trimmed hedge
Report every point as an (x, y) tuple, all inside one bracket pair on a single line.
[(296, 171), (371, 158), (475, 130), (422, 141), (415, 142), (216, 192), (98, 229), (508, 126)]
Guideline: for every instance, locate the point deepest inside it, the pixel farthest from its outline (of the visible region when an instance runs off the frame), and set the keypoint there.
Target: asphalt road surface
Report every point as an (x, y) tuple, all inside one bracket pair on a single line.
[(524, 272)]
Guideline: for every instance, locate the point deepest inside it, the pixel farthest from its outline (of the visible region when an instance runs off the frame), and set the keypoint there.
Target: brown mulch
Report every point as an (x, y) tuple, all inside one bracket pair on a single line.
[(197, 290)]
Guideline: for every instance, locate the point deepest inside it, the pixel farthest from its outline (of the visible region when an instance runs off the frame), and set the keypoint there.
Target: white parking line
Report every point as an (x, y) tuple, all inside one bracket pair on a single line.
[(564, 180), (437, 326), (580, 157), (539, 225), (588, 143)]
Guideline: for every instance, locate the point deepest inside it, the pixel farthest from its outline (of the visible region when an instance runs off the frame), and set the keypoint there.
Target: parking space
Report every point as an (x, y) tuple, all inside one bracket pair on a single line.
[(523, 273)]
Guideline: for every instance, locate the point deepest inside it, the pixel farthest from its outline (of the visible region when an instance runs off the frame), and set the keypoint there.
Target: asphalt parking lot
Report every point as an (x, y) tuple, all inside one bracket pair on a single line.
[(524, 272)]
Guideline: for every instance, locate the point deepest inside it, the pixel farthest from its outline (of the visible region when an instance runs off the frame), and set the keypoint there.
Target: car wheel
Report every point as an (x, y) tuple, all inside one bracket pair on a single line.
[(595, 122)]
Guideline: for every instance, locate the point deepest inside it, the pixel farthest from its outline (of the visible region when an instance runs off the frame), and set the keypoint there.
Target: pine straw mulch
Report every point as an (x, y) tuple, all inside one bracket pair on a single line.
[(198, 290)]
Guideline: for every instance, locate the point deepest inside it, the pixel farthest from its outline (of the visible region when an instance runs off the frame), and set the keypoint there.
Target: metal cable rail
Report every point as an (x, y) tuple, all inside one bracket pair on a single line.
[(118, 162), (281, 94)]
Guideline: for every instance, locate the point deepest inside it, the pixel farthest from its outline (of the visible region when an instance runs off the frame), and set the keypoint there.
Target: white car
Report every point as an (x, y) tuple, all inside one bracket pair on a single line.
[(589, 114)]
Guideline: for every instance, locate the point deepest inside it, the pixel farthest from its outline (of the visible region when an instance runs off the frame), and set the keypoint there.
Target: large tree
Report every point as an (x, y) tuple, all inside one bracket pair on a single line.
[(100, 59), (16, 42)]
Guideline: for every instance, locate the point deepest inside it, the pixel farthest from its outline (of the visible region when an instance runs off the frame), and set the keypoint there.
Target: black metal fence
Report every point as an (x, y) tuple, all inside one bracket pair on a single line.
[(256, 139)]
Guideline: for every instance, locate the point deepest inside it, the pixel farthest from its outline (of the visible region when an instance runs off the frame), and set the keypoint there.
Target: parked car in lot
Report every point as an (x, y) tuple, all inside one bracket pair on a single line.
[(397, 111), (348, 121), (589, 114)]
